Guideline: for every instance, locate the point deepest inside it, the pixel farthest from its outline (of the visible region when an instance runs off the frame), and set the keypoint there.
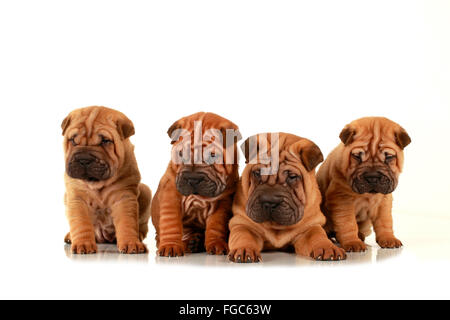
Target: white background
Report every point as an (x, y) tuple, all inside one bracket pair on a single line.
[(304, 67)]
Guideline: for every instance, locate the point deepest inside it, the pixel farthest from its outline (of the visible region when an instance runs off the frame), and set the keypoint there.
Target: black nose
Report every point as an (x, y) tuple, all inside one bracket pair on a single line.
[(193, 179), (372, 177), (85, 162), (84, 159), (270, 201)]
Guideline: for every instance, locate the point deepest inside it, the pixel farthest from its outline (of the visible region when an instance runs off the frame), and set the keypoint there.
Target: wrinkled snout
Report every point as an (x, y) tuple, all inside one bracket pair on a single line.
[(274, 203), (374, 181), (86, 165), (198, 182), (270, 202)]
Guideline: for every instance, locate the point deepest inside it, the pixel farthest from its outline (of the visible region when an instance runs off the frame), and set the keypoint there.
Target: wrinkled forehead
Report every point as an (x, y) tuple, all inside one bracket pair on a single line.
[(375, 137), (92, 123)]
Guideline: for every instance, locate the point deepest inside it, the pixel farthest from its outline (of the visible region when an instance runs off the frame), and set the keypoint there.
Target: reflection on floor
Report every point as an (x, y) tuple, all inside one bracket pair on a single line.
[(426, 238), (107, 252)]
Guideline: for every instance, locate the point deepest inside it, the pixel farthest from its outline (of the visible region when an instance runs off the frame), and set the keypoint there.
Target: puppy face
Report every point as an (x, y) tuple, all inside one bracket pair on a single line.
[(373, 159), (281, 198), (199, 154), (93, 143)]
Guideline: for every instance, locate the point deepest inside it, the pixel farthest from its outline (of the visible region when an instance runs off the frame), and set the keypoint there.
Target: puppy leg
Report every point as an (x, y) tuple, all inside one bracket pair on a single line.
[(344, 223), (245, 245), (382, 224), (81, 233), (217, 230), (315, 244), (144, 201), (170, 226), (125, 218)]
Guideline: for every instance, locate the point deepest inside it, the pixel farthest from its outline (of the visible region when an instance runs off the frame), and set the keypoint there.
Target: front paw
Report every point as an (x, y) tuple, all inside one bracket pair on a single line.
[(245, 255), (217, 247), (84, 247), (328, 252), (389, 242), (354, 246), (171, 250), (131, 247)]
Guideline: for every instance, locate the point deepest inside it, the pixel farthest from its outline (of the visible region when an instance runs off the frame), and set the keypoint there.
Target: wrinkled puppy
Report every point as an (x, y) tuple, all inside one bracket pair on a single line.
[(357, 180), (192, 205), (105, 201), (277, 205)]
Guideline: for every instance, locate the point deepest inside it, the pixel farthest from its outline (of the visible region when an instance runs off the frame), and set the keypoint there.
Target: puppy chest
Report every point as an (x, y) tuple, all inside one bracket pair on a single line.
[(103, 224), (196, 211), (366, 208)]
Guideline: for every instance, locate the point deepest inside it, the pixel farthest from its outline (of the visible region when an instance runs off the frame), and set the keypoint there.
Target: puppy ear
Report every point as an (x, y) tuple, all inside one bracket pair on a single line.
[(250, 153), (125, 128), (65, 124), (174, 136), (311, 156), (347, 135), (402, 138)]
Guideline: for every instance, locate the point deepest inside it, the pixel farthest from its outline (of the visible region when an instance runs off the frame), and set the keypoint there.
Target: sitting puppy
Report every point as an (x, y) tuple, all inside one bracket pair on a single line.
[(357, 180), (192, 205), (280, 207), (105, 201)]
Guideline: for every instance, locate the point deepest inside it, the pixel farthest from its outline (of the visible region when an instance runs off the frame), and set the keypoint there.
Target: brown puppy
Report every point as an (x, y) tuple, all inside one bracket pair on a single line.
[(280, 209), (105, 201), (357, 180), (192, 205)]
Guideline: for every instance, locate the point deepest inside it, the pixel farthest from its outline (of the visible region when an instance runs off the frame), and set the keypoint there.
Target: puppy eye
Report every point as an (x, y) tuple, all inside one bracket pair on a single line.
[(180, 153), (292, 177), (257, 174), (389, 157), (358, 156), (105, 141), (72, 140)]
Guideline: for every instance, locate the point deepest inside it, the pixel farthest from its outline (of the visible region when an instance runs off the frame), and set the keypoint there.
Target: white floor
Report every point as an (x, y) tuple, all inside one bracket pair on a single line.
[(419, 270)]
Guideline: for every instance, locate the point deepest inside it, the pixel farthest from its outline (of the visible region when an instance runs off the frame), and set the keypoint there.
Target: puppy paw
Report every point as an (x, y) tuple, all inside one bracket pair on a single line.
[(245, 255), (84, 247), (131, 247), (171, 250), (354, 246), (328, 252), (217, 247), (67, 239), (390, 242)]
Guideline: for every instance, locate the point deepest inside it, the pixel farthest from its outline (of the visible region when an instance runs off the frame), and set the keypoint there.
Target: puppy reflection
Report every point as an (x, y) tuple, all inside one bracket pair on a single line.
[(105, 252)]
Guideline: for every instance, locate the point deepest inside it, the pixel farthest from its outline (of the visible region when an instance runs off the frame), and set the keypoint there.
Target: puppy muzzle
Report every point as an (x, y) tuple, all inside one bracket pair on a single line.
[(198, 183), (275, 206), (88, 166), (372, 181)]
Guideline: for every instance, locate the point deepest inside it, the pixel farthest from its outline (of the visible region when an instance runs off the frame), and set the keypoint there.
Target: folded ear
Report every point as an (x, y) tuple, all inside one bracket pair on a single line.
[(65, 124), (250, 148), (235, 134), (311, 156), (172, 132), (402, 138), (125, 127), (347, 135)]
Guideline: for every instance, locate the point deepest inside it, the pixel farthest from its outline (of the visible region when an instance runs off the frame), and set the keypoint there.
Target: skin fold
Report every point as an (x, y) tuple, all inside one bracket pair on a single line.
[(192, 206), (280, 211), (105, 201), (357, 180)]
